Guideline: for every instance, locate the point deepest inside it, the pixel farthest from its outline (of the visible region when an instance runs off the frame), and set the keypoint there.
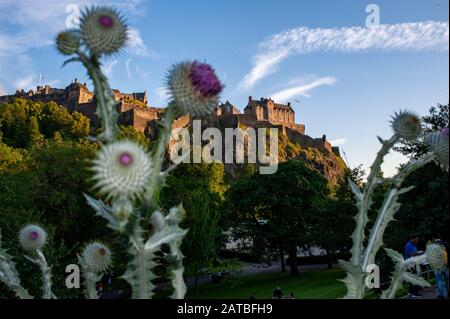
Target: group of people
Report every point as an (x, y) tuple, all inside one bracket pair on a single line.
[(442, 282)]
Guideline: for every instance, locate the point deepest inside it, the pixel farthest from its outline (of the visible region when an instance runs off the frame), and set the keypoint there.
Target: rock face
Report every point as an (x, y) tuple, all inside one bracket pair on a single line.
[(292, 145), (329, 164)]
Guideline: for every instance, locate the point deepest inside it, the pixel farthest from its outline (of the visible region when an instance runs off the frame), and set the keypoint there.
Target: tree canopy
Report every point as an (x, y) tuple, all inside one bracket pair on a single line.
[(24, 122), (279, 208)]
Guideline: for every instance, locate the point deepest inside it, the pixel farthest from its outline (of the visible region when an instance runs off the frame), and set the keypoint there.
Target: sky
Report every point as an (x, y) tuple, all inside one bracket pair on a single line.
[(344, 70)]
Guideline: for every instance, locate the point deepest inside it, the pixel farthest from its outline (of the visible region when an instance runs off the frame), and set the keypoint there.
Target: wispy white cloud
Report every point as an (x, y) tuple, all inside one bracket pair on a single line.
[(162, 93), (417, 36), (143, 75), (137, 46), (302, 90), (25, 83), (2, 90), (127, 66), (108, 67), (339, 141), (263, 65), (30, 24)]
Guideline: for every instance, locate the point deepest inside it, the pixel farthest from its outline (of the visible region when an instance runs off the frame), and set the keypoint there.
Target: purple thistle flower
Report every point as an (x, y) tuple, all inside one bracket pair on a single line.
[(125, 159), (33, 235), (444, 131), (106, 21), (204, 79)]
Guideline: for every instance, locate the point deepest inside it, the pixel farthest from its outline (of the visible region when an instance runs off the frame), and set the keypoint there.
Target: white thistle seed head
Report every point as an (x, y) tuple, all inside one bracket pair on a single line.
[(406, 125), (122, 169), (96, 257), (103, 30), (32, 237)]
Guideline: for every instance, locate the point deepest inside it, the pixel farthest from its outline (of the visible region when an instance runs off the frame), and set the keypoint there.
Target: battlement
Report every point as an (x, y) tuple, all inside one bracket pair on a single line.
[(134, 110)]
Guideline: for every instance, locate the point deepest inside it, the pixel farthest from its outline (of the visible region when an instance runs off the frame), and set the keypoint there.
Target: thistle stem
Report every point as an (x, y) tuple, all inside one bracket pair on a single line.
[(91, 280), (377, 232), (143, 272), (397, 277), (178, 283), (361, 217), (46, 275), (106, 105), (152, 194)]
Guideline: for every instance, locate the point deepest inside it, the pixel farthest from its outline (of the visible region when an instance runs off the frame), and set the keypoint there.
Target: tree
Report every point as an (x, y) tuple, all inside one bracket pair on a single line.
[(46, 187), (129, 132), (425, 208), (333, 225), (8, 155), (200, 188), (279, 208), (24, 122)]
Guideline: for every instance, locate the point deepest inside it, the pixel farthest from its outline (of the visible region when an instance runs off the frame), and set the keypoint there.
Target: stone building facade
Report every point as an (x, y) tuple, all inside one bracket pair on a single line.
[(266, 113), (134, 110)]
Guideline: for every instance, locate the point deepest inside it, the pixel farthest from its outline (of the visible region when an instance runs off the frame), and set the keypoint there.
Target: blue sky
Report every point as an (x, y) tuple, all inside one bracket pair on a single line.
[(348, 85)]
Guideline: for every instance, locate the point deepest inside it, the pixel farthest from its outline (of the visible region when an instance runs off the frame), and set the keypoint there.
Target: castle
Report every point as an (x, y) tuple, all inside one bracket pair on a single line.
[(134, 110)]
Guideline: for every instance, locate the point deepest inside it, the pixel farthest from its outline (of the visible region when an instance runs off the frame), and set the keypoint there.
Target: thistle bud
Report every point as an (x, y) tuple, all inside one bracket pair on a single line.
[(103, 30), (438, 143), (194, 88), (68, 42), (406, 125), (96, 257), (122, 209), (32, 237)]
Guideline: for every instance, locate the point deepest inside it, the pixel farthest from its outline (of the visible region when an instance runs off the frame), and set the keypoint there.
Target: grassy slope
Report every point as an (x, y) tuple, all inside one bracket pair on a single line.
[(315, 284)]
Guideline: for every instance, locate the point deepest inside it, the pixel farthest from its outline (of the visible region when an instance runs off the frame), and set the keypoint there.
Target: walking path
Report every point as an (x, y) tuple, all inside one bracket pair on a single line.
[(427, 293)]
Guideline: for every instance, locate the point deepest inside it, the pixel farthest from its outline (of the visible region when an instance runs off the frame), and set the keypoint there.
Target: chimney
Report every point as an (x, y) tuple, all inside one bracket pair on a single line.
[(324, 137), (289, 104), (250, 98)]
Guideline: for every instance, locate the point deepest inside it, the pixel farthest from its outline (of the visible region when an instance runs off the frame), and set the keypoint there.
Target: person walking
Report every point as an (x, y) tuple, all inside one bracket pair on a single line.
[(410, 250), (442, 274)]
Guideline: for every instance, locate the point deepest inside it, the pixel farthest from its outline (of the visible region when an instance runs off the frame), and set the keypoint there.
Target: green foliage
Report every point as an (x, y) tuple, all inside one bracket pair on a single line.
[(200, 188), (46, 188), (334, 224), (9, 156), (424, 209), (278, 209), (130, 133), (24, 122)]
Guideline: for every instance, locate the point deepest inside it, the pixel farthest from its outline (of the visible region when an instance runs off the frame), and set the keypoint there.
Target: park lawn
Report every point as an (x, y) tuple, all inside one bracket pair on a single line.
[(312, 284)]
